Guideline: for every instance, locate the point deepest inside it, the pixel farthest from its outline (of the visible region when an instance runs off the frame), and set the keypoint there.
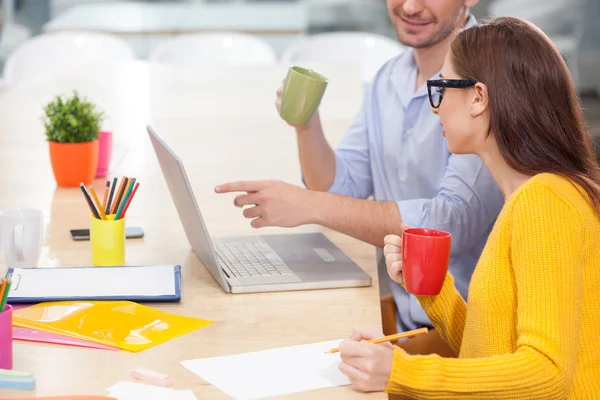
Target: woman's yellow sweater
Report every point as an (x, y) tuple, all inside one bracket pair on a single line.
[(531, 328)]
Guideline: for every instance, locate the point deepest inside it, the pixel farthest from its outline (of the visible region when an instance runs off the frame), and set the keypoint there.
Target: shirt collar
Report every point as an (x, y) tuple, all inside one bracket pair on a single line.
[(471, 21), (404, 75)]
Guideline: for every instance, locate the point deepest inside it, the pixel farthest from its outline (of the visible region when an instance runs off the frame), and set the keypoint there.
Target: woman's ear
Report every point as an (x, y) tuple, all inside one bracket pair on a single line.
[(480, 100)]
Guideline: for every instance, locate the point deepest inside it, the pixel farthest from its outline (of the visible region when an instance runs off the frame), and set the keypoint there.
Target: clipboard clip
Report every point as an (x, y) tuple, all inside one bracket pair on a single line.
[(15, 279)]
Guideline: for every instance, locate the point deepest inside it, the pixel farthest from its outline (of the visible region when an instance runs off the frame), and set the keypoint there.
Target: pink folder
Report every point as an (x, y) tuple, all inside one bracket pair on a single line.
[(65, 398), (33, 335)]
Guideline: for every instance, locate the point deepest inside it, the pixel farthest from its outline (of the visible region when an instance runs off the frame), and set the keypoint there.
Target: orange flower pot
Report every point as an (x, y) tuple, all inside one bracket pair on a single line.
[(73, 163)]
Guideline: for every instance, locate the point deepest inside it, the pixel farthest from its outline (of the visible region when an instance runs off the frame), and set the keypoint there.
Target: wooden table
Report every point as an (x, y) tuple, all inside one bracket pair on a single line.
[(223, 123)]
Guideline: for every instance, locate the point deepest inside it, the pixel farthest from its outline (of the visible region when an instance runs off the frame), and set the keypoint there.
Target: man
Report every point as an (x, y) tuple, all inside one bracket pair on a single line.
[(394, 151)]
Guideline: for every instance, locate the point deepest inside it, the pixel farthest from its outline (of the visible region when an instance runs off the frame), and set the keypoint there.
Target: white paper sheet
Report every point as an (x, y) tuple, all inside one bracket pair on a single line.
[(93, 282), (274, 372), (136, 391)]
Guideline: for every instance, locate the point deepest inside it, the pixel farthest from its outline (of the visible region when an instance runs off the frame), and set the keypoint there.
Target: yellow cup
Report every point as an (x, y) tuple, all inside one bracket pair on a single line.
[(108, 241)]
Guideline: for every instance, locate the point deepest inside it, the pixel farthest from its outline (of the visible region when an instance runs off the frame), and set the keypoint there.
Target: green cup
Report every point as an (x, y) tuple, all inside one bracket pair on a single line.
[(302, 93)]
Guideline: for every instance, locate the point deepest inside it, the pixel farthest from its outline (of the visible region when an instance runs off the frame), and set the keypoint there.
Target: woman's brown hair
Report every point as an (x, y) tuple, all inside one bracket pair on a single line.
[(535, 113)]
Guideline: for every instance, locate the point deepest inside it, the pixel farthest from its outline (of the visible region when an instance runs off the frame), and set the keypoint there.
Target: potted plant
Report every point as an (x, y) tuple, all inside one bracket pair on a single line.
[(72, 125)]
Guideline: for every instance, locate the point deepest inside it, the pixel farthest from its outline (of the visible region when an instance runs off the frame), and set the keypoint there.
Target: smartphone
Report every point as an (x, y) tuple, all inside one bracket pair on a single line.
[(131, 232)]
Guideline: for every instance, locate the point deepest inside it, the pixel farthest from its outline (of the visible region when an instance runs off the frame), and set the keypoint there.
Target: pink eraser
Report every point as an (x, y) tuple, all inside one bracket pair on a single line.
[(151, 377)]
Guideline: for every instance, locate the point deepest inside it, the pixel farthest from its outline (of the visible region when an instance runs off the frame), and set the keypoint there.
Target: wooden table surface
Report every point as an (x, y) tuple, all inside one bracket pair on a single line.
[(223, 123)]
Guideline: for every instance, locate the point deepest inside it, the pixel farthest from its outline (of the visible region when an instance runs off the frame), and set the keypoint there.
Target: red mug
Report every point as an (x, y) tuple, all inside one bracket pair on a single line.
[(425, 258)]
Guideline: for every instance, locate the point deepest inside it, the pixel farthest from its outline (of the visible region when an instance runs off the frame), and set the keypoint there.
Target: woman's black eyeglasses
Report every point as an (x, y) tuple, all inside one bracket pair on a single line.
[(436, 88)]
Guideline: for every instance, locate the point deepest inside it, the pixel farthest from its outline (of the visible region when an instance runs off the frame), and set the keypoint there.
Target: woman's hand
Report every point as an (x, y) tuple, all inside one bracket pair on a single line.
[(393, 256), (367, 365)]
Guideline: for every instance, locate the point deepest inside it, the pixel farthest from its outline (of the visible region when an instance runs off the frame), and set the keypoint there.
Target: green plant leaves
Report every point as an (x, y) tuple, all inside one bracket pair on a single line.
[(71, 120)]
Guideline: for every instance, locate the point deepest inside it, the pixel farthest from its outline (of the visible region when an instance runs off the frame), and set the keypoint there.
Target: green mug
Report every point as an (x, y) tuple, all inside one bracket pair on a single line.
[(302, 93)]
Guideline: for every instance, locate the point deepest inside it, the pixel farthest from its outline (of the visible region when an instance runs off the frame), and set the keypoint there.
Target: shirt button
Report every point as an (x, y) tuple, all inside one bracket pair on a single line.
[(402, 178), (409, 132)]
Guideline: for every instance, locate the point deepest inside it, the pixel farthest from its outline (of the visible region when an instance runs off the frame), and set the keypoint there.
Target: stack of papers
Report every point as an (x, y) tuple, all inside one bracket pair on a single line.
[(137, 391), (275, 372)]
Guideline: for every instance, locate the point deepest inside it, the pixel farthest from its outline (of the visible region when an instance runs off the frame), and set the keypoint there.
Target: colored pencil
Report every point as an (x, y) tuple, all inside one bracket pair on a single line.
[(126, 191), (5, 295), (110, 197), (129, 200), (389, 338), (105, 199), (89, 200), (97, 203), (122, 188), (2, 289), (125, 197)]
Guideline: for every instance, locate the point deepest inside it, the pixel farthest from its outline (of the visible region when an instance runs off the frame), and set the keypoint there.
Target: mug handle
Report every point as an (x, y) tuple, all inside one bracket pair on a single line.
[(402, 244), (403, 253), (18, 241)]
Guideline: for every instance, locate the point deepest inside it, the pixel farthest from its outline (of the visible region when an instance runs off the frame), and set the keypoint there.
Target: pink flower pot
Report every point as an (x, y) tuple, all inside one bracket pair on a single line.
[(105, 149)]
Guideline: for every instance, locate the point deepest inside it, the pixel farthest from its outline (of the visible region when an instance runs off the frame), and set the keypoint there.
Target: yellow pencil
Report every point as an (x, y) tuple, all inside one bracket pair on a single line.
[(390, 338), (97, 202)]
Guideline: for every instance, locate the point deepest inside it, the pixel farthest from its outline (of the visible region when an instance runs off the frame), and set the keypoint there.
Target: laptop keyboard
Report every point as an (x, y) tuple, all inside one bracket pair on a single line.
[(251, 259)]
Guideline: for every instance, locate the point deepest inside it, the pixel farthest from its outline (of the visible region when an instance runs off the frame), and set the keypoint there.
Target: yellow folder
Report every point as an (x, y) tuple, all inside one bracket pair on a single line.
[(123, 324)]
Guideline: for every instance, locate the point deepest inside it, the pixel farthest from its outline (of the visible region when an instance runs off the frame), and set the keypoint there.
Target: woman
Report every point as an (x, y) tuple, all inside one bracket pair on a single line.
[(531, 328)]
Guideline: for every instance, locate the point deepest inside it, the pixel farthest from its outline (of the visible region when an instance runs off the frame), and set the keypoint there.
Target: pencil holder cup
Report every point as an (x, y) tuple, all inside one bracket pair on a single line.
[(107, 238), (6, 358)]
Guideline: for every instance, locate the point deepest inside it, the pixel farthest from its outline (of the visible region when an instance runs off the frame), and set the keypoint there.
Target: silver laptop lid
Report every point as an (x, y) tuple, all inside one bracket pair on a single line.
[(187, 207)]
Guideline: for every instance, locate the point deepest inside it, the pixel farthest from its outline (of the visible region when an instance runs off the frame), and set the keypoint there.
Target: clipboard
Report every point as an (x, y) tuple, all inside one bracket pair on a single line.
[(158, 283)]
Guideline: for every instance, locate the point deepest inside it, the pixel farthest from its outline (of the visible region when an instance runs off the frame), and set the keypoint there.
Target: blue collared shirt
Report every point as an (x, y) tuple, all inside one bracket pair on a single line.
[(395, 151)]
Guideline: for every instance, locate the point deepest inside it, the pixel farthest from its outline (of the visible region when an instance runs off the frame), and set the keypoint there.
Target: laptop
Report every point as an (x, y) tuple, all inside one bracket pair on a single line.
[(251, 264)]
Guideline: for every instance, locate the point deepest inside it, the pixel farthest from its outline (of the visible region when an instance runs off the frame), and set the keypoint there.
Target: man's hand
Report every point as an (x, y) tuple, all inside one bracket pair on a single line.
[(273, 203), (312, 124), (276, 203)]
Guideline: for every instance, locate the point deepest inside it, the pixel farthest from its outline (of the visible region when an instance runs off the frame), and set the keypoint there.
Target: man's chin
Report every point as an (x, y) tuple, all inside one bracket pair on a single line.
[(415, 41)]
